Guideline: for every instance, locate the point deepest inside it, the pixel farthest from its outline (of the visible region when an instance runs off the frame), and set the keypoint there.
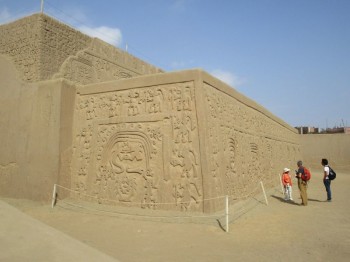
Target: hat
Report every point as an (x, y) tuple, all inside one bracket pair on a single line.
[(285, 170)]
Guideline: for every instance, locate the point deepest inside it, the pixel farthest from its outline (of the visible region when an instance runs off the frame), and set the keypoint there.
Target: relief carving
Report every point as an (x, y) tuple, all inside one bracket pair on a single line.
[(260, 139), (127, 163), (187, 187), (183, 127)]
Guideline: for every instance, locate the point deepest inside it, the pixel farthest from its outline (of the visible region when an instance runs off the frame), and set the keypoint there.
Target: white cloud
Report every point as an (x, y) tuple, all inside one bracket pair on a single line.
[(176, 65), (77, 18), (74, 17), (107, 34), (228, 77)]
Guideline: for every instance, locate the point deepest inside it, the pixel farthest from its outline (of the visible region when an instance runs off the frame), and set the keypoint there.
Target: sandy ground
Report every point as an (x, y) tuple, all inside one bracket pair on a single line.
[(280, 231)]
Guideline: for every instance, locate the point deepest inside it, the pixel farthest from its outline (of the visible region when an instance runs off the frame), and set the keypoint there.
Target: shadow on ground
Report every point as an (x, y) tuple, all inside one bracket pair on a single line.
[(285, 201)]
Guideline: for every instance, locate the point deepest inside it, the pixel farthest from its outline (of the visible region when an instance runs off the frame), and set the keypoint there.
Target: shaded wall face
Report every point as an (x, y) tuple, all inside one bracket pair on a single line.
[(29, 135), (243, 146), (334, 147), (138, 147)]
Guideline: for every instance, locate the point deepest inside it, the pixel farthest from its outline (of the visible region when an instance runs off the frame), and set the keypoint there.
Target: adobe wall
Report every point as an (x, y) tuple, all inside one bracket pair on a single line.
[(43, 48), (146, 139), (34, 128), (169, 141), (334, 147), (243, 142)]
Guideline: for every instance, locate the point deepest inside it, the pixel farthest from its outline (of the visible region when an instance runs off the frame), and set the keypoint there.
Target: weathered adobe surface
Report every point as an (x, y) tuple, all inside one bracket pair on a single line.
[(43, 48), (161, 141)]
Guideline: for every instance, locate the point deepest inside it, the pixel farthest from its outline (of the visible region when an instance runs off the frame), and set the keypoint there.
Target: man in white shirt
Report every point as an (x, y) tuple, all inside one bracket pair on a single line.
[(326, 180)]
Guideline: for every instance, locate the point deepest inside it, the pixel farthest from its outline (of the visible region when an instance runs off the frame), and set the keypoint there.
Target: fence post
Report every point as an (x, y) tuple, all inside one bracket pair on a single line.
[(262, 185), (53, 196), (226, 213)]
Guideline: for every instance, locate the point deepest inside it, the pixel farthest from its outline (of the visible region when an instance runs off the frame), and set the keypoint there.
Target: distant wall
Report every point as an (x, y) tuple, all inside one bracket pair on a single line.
[(334, 147), (38, 45), (43, 48)]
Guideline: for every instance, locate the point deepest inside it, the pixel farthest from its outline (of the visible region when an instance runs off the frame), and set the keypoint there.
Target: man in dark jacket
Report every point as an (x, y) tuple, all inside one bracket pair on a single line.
[(301, 183)]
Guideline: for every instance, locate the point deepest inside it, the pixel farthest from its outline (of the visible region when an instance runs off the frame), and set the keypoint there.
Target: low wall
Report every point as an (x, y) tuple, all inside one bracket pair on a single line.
[(334, 147)]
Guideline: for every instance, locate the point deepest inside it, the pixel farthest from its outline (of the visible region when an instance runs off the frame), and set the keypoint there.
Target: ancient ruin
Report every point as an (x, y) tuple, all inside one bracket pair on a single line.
[(83, 114)]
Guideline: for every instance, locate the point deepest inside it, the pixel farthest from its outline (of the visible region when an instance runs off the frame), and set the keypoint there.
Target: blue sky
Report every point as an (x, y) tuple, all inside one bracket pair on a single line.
[(290, 56)]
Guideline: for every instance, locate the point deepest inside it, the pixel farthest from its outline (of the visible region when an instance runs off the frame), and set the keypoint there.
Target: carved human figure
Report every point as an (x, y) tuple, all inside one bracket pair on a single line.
[(185, 158), (187, 99), (133, 101), (183, 128), (128, 157), (114, 105), (150, 193), (153, 100), (176, 99), (90, 110)]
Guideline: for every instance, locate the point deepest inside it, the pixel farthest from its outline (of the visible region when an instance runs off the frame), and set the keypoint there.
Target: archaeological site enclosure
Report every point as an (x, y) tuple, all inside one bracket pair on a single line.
[(80, 113)]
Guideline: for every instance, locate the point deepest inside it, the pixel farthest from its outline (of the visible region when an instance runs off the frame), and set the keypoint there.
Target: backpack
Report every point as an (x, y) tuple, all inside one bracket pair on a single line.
[(332, 175), (306, 175)]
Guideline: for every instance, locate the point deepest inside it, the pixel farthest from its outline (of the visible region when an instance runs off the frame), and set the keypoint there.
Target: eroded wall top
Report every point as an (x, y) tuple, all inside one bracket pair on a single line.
[(43, 48)]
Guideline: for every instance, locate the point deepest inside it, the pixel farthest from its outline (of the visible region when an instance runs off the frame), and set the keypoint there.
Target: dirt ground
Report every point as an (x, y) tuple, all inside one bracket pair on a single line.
[(280, 231)]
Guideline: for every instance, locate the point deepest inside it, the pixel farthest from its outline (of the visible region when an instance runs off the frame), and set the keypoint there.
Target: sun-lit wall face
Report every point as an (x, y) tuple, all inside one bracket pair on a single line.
[(76, 115), (138, 146), (173, 142), (334, 147), (245, 145)]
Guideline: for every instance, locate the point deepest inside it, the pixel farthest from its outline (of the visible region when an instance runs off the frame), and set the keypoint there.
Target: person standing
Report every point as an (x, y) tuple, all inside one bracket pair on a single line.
[(287, 184), (326, 180), (301, 183)]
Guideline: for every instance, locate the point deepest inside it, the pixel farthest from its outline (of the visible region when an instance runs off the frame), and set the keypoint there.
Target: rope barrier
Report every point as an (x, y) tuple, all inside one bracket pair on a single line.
[(229, 214), (138, 215), (163, 203)]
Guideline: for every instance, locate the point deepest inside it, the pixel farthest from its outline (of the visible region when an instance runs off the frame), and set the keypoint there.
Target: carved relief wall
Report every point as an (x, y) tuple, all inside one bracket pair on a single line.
[(102, 62), (20, 41), (57, 43), (144, 144), (244, 146), (139, 147), (164, 141), (43, 48)]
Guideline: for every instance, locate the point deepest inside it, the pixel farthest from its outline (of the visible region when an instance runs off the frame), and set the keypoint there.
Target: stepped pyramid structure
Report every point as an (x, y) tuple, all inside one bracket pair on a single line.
[(80, 113)]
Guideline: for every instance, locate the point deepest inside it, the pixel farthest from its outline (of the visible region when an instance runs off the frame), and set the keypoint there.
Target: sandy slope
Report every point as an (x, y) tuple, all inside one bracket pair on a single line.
[(23, 238), (278, 232)]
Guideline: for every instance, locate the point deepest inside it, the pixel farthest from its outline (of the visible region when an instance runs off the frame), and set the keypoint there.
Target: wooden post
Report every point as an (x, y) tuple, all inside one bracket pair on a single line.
[(53, 196), (262, 186), (226, 213)]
